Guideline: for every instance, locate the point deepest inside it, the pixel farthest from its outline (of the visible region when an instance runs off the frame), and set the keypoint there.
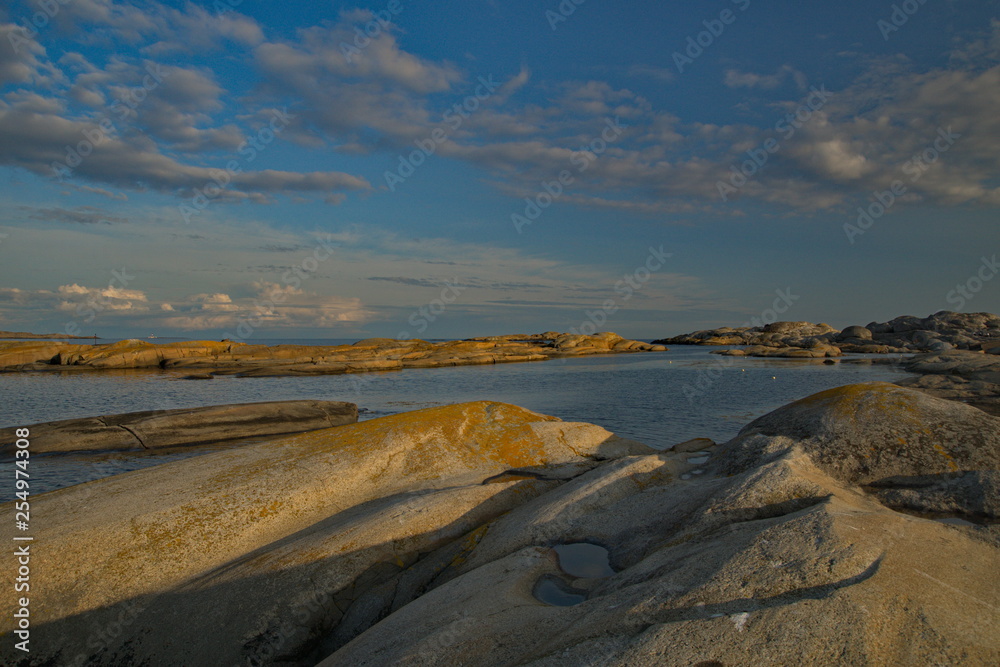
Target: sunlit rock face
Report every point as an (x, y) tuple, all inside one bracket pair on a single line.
[(371, 354), (856, 526)]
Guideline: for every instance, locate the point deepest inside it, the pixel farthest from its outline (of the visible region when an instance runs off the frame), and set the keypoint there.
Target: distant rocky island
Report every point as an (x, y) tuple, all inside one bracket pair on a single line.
[(7, 335), (940, 332), (205, 359)]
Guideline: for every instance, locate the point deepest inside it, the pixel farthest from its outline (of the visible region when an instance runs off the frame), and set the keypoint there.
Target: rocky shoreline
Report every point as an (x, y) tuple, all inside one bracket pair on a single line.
[(855, 526), (940, 332), (205, 359)]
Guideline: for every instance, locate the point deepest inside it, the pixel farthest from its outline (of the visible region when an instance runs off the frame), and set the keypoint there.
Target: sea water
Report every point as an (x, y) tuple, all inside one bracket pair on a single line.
[(658, 398)]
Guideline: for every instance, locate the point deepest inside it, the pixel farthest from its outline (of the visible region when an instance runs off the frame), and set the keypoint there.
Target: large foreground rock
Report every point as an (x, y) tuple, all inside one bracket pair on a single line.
[(775, 555), (157, 429), (207, 561), (424, 538)]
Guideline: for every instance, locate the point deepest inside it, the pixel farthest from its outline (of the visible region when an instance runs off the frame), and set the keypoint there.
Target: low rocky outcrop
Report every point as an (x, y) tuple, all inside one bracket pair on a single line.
[(158, 429), (940, 332), (969, 377), (486, 534), (200, 358)]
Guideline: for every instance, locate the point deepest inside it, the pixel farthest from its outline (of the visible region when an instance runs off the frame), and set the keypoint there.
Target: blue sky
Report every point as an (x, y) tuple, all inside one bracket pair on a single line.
[(468, 168)]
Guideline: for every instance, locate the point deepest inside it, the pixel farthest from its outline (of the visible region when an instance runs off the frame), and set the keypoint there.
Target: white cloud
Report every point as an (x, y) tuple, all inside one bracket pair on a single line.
[(737, 79)]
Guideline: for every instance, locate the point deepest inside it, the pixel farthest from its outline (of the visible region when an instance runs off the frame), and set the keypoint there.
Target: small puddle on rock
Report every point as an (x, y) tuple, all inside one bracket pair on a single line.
[(555, 591), (698, 460), (584, 560), (955, 521), (578, 560)]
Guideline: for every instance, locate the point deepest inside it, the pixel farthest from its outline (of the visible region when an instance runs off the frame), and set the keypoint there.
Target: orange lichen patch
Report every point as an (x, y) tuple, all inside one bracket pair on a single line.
[(483, 429), (845, 402), (658, 477), (470, 542), (947, 456)]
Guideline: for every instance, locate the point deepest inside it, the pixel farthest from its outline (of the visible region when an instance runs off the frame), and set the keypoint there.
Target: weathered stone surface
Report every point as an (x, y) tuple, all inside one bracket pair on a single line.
[(422, 538), (855, 332), (244, 537), (863, 433), (977, 393), (970, 365), (970, 377), (722, 569), (372, 354), (13, 355), (188, 426)]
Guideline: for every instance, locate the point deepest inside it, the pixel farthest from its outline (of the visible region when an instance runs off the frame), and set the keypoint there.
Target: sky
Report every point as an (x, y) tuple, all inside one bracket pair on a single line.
[(253, 170)]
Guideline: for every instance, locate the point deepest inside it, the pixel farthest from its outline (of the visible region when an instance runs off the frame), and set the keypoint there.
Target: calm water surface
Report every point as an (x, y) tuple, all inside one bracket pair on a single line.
[(659, 398)]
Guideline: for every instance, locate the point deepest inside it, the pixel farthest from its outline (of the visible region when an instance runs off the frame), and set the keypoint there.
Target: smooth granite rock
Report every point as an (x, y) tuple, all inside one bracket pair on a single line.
[(435, 537), (209, 559), (778, 562)]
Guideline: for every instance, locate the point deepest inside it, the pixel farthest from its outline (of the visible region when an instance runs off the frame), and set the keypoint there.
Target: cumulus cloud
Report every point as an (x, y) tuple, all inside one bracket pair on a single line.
[(111, 298), (383, 98), (189, 28), (36, 142), (77, 303), (273, 306), (136, 122), (18, 54)]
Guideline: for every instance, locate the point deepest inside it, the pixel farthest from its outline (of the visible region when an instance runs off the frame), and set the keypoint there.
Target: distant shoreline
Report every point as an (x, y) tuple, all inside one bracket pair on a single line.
[(13, 335)]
